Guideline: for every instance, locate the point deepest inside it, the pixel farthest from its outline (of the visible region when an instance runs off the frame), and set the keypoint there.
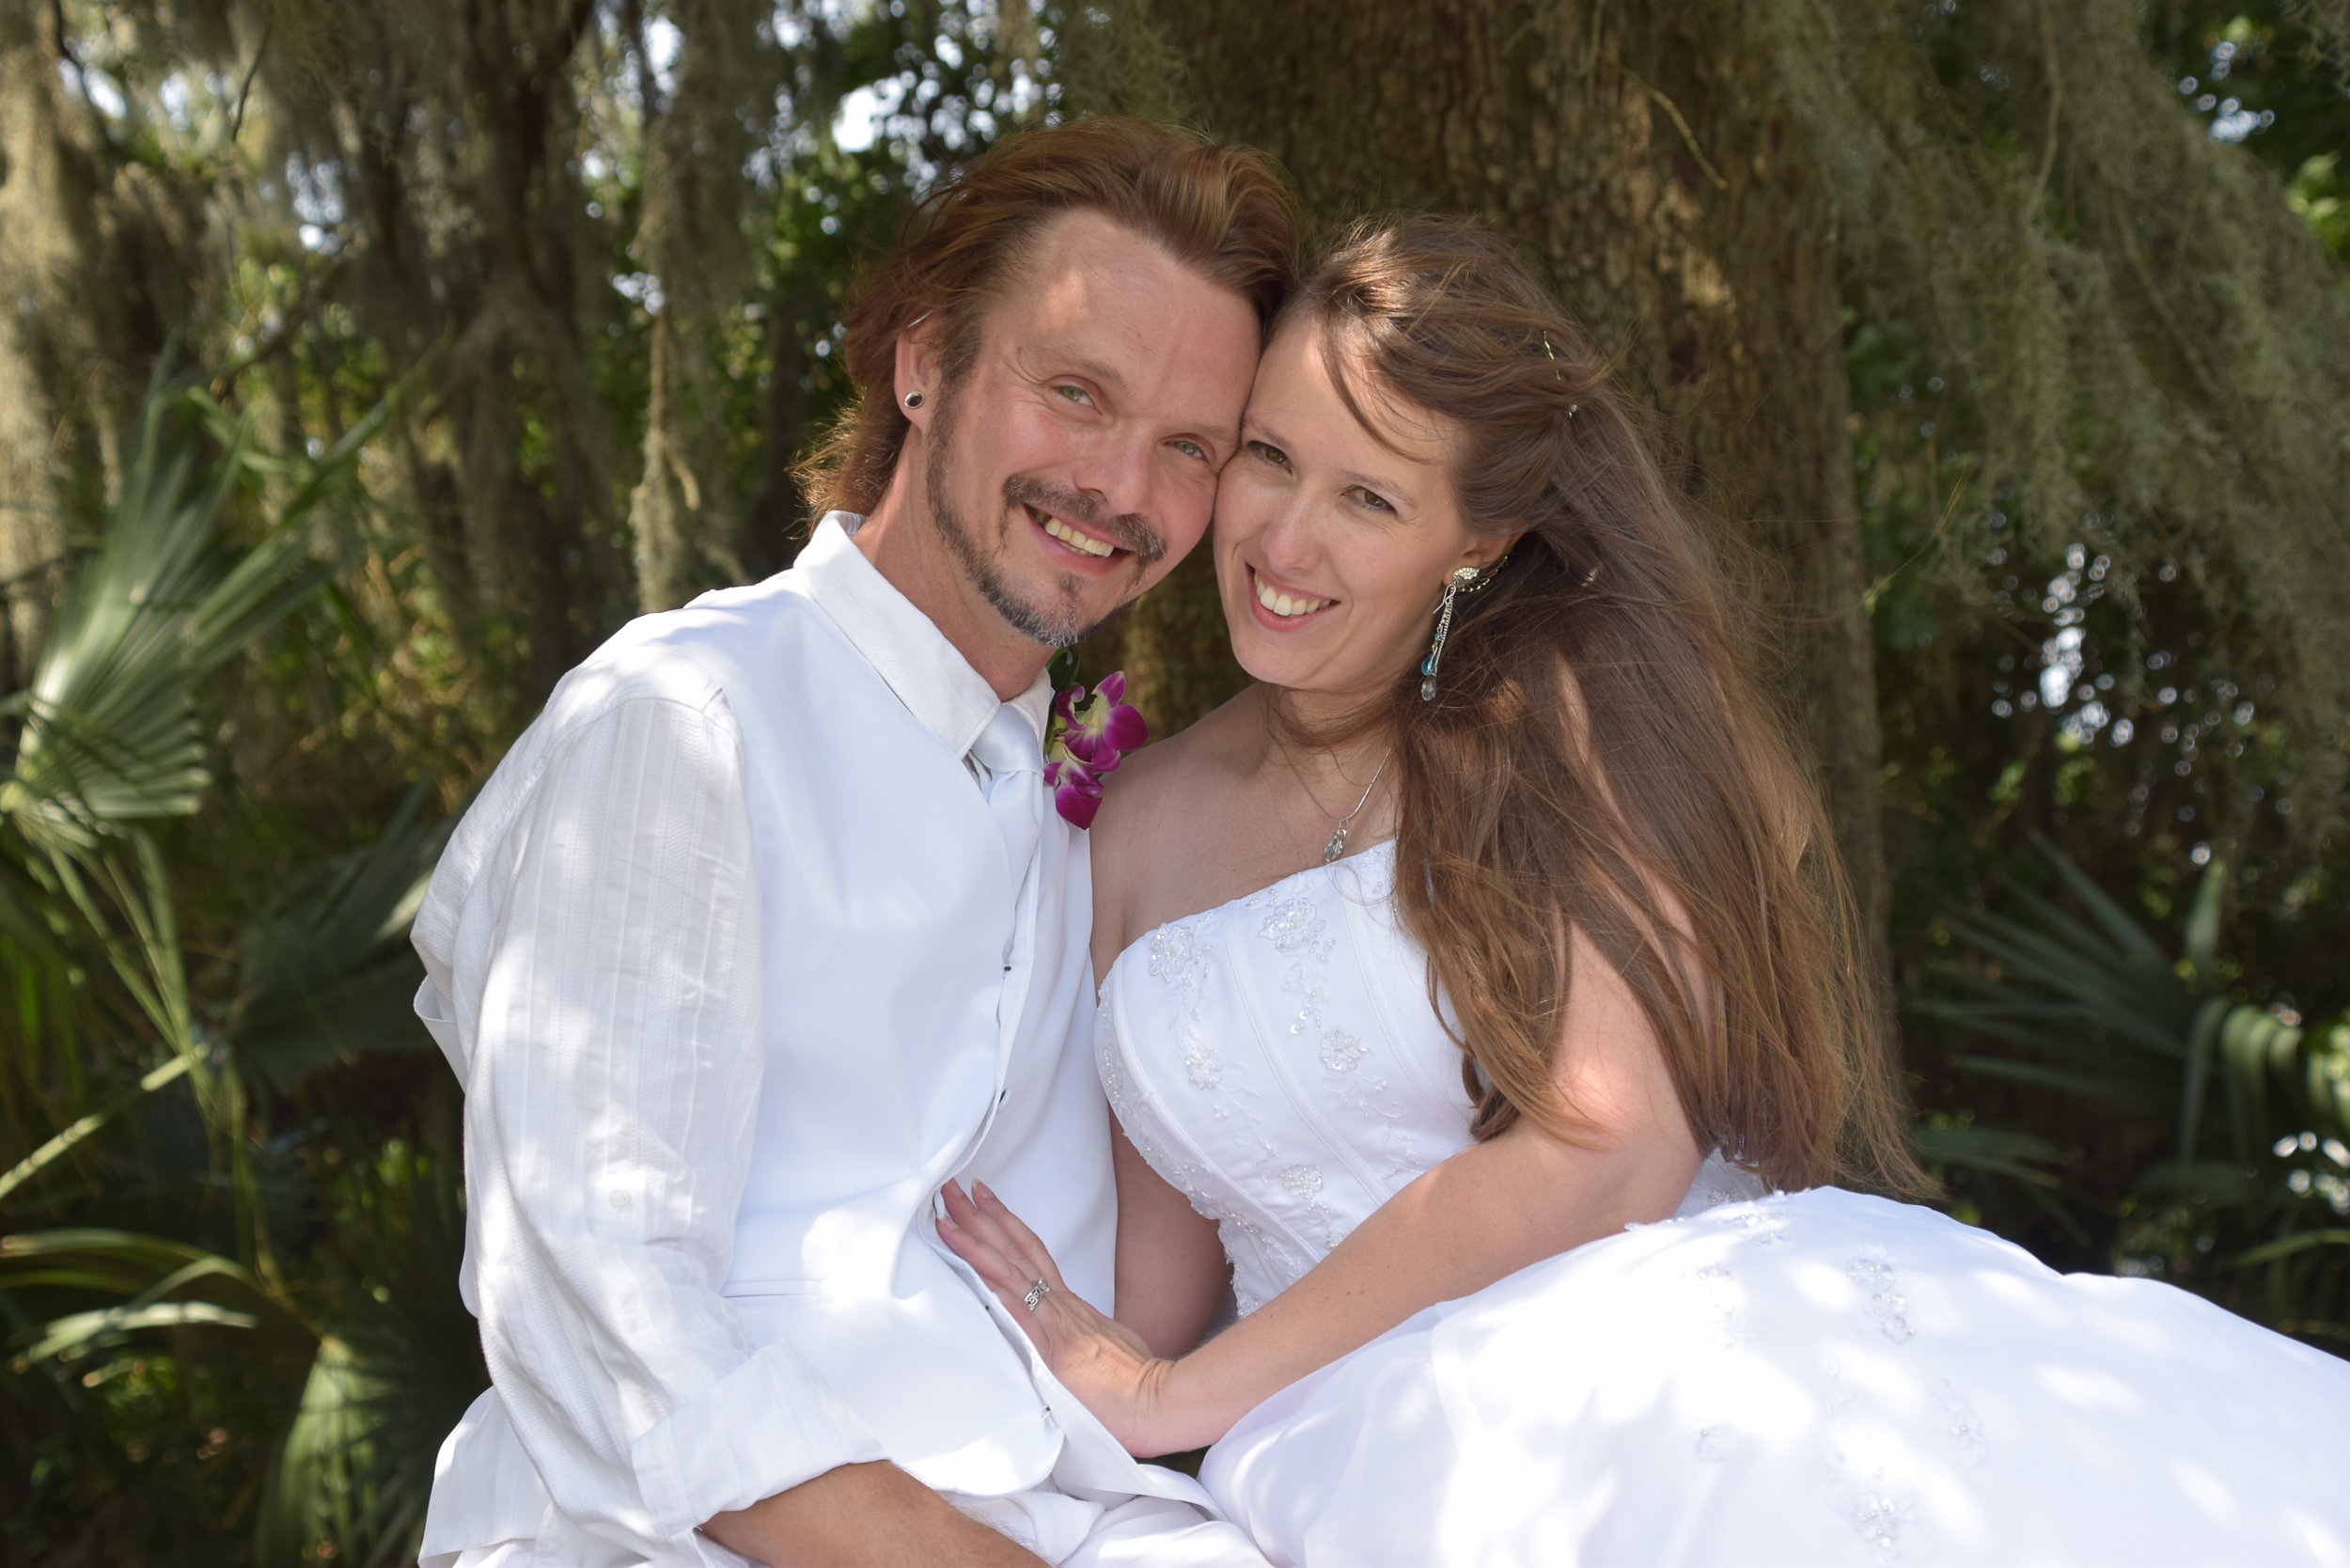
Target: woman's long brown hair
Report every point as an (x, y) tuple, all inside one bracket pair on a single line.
[(1598, 752)]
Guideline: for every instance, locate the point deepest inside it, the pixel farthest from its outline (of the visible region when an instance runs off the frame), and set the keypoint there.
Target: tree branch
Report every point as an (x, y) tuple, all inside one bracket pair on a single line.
[(244, 87), (1688, 137)]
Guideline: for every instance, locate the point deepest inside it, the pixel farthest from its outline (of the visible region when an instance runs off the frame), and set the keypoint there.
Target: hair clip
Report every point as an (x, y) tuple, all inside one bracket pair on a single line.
[(1552, 354), (1573, 409)]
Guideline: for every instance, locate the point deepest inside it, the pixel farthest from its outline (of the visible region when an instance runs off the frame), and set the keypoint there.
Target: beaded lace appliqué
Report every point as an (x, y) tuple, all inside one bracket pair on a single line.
[(1873, 1272), (1179, 957), (1183, 957), (1293, 923), (1279, 1214)]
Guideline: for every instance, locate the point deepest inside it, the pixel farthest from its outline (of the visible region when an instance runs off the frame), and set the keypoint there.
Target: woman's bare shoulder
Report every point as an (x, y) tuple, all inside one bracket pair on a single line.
[(1185, 768)]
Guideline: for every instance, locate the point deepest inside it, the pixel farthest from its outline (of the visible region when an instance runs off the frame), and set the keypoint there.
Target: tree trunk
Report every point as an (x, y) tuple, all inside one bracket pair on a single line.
[(1642, 159), (684, 516), (30, 169), (95, 278)]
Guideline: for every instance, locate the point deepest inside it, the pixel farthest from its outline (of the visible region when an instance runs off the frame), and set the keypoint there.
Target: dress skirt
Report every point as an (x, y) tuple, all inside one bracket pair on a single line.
[(1810, 1379)]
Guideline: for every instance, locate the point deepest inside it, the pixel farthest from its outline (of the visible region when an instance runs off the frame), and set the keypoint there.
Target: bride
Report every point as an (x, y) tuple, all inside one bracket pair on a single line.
[(1531, 1123)]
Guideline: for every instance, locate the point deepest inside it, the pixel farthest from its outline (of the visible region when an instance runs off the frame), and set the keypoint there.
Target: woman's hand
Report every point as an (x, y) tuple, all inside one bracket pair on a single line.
[(1099, 1360)]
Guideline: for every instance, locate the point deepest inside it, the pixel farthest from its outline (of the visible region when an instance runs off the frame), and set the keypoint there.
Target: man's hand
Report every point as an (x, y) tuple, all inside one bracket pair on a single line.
[(863, 1516)]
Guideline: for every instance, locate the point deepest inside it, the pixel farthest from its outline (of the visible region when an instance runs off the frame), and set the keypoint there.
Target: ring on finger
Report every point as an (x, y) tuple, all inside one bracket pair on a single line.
[(1037, 1292)]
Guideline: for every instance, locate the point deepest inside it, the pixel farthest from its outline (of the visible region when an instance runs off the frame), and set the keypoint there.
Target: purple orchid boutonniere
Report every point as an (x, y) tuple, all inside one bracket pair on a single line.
[(1087, 739)]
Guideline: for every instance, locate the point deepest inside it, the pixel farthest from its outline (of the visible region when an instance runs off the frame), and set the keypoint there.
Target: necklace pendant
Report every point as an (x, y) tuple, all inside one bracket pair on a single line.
[(1336, 847)]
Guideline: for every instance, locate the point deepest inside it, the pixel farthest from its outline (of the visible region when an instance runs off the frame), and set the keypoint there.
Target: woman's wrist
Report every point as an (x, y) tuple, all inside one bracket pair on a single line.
[(1183, 1413)]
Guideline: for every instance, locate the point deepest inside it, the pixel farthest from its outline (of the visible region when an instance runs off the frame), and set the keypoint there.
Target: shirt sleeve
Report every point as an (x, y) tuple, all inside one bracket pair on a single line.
[(611, 1090)]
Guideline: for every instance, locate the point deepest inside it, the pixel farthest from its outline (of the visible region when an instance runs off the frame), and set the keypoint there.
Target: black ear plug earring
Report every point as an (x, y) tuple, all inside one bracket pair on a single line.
[(914, 400)]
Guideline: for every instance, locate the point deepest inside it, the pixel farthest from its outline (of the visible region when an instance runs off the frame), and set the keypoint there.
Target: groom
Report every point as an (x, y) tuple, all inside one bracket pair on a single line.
[(765, 930)]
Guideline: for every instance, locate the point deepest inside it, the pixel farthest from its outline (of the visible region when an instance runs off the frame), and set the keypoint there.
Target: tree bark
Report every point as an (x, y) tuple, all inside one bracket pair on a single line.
[(97, 270), (684, 516), (1642, 159), (32, 169)]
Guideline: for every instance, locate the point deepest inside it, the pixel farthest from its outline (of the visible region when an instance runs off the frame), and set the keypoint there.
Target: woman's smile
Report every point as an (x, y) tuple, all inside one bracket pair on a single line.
[(1281, 607)]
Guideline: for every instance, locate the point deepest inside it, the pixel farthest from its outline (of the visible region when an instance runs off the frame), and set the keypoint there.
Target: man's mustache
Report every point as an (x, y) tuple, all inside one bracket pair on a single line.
[(1126, 530)]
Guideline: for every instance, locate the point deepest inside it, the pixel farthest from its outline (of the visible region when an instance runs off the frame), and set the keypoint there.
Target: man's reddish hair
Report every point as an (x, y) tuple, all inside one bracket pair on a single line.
[(1220, 208)]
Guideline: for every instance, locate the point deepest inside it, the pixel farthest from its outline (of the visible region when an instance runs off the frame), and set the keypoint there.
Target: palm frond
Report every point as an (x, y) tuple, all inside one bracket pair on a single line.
[(2094, 1009), (2132, 943), (2274, 1066), (2045, 972), (143, 1282), (2293, 1245), (2021, 1156), (62, 1144), (2086, 1086), (110, 719), (328, 974), (402, 1365), (2198, 1180)]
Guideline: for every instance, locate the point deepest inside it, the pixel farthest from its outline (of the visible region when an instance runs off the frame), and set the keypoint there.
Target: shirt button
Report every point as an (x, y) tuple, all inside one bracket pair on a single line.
[(621, 1200)]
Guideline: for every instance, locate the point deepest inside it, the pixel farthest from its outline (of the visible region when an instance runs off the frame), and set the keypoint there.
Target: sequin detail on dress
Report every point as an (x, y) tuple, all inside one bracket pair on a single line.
[(1275, 1060), (1875, 1274), (1260, 1073), (1182, 958), (1294, 924)]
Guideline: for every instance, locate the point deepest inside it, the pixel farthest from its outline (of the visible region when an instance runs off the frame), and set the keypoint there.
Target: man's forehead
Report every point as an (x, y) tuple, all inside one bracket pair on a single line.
[(1112, 305)]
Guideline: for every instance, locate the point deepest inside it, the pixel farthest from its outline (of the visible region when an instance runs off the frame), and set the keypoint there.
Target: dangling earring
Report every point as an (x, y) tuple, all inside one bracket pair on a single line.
[(1467, 579)]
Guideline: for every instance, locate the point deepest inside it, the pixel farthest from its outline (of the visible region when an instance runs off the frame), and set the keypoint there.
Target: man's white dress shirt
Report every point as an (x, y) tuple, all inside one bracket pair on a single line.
[(739, 958)]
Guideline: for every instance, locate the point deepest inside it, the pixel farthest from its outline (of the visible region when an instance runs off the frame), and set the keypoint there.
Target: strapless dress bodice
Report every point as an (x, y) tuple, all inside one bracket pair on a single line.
[(1278, 1059)]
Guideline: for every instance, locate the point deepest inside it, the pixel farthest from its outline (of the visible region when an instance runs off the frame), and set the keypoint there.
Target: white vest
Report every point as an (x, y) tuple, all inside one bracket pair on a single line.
[(876, 1094)]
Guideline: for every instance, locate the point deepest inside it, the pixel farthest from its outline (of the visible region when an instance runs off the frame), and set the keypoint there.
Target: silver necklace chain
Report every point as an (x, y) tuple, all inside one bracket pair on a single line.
[(1337, 846)]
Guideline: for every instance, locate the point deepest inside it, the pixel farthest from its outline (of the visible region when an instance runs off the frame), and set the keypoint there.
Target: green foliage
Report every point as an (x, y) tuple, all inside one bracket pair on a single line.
[(2219, 1150), (120, 1335), (2321, 197), (399, 1368), (2133, 347)]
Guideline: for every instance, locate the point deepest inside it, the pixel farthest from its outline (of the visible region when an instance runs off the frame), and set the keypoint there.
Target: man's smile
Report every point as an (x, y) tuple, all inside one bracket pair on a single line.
[(1071, 535)]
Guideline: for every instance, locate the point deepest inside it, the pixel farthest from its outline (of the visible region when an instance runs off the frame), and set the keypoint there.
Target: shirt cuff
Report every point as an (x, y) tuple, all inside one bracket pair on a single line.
[(768, 1425)]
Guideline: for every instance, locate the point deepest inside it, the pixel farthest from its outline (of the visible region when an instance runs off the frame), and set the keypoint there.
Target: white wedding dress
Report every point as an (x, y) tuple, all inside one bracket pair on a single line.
[(1814, 1378)]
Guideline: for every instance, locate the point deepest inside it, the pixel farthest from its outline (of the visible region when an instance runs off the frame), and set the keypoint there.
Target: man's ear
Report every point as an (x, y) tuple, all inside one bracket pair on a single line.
[(918, 367)]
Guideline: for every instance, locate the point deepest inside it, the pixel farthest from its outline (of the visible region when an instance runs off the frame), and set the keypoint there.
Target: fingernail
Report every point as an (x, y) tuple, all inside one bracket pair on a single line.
[(981, 1187)]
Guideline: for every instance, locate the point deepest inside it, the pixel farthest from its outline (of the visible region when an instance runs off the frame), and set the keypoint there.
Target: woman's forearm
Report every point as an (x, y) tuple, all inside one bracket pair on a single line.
[(1480, 1216), (1171, 1269)]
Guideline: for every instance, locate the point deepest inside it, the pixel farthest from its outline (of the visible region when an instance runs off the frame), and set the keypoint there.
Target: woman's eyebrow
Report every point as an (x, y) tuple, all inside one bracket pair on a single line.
[(1253, 429), (1385, 487)]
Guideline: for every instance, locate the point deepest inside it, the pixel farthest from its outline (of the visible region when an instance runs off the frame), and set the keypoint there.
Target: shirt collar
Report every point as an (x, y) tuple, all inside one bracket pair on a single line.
[(926, 671)]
